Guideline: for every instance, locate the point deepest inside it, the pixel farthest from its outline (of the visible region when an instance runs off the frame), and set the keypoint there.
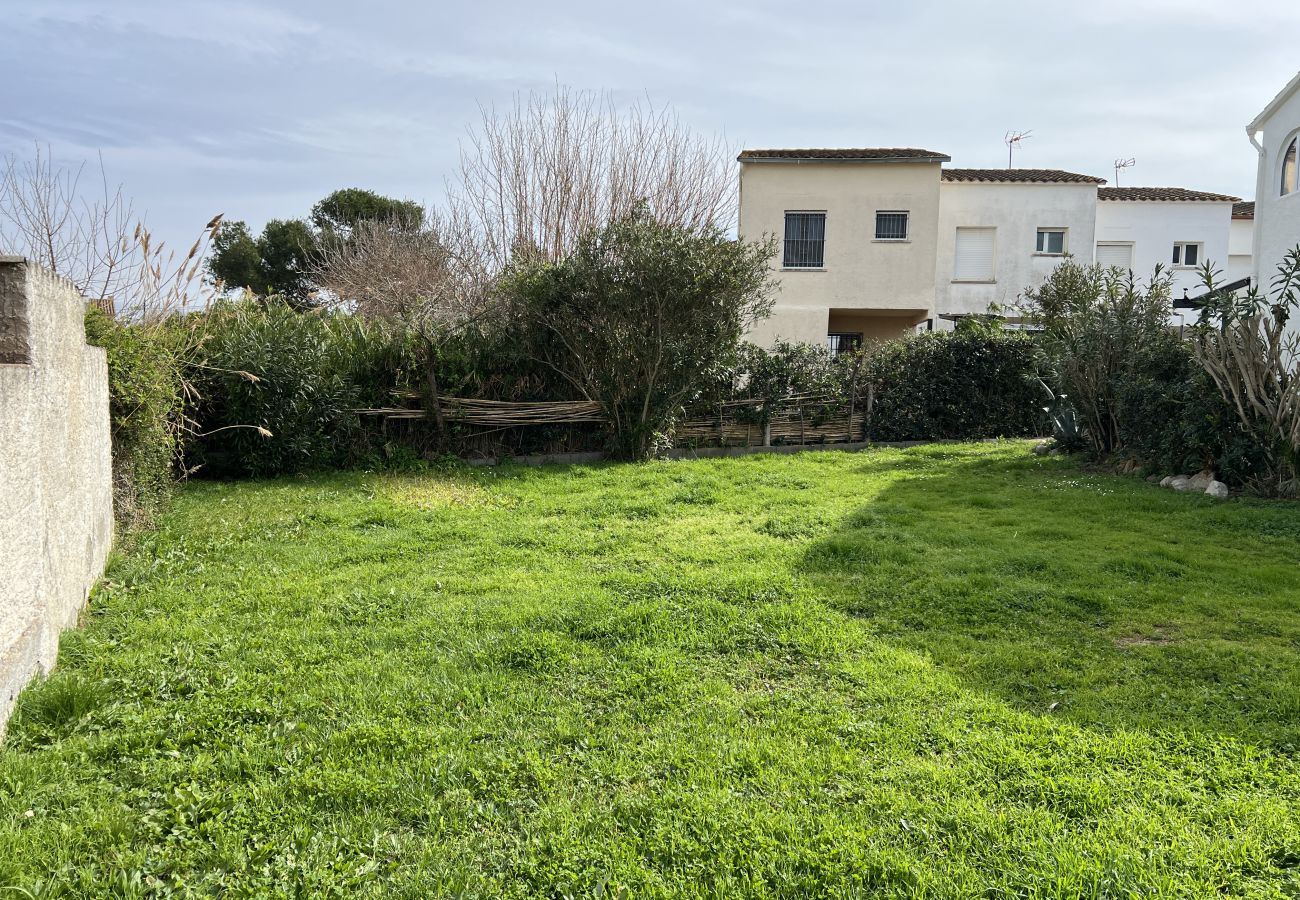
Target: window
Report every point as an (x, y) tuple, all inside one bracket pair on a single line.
[(1289, 169), (1187, 254), (974, 256), (891, 225), (1051, 240), (805, 240), (1115, 256), (843, 342)]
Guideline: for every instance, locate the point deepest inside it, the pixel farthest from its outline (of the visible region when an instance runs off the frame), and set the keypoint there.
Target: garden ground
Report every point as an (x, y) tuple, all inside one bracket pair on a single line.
[(949, 671)]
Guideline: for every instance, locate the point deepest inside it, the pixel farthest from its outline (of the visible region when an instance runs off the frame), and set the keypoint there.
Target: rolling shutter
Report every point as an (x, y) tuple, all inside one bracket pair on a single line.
[(974, 261), (1118, 255)]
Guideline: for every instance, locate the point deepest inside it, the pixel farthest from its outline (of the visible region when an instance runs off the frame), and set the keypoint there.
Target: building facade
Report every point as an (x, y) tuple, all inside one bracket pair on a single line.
[(871, 244), (1004, 230), (1179, 230), (1275, 133), (857, 236)]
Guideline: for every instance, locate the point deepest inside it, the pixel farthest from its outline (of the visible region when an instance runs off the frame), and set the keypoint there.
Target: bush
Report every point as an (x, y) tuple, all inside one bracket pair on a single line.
[(961, 385), (642, 316), (279, 388), (1136, 385), (1251, 352), (146, 408)]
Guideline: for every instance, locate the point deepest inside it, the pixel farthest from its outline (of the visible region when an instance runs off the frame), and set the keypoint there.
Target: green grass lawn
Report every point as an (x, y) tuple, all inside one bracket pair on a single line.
[(951, 671)]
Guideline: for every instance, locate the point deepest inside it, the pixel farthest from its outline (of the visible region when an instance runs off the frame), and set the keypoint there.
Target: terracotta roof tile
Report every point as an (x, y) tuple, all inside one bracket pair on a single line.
[(858, 154), (1162, 193), (1019, 176), (1244, 210)]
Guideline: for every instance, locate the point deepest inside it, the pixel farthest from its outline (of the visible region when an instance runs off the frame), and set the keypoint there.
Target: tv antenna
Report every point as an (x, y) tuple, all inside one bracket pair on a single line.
[(1013, 140), (1121, 164)]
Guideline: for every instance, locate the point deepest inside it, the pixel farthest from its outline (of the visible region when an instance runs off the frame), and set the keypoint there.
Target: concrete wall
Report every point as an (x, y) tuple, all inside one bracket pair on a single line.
[(895, 278), (1153, 226), (56, 499), (1017, 211), (1277, 217)]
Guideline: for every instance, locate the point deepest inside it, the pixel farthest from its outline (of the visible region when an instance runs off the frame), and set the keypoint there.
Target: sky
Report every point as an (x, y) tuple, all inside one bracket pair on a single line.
[(257, 110)]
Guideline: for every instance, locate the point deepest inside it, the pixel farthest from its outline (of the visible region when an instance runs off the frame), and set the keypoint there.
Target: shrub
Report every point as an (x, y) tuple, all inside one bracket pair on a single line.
[(1251, 354), (1100, 330), (641, 316), (146, 408), (279, 388), (952, 385), (1110, 353)]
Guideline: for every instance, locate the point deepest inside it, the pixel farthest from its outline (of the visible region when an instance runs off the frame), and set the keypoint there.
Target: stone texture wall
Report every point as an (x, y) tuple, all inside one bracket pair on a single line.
[(56, 500)]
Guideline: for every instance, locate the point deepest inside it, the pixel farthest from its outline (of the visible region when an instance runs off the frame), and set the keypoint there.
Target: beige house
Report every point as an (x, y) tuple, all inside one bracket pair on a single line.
[(857, 240)]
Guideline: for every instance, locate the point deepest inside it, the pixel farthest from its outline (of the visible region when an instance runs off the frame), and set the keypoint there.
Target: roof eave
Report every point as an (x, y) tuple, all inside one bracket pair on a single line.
[(1285, 94), (843, 159)]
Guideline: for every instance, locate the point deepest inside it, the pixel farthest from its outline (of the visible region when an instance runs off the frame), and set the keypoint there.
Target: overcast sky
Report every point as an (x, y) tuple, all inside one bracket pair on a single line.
[(256, 110)]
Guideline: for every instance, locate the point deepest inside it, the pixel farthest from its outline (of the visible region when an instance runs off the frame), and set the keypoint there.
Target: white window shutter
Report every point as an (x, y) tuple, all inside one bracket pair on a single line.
[(1119, 255), (974, 261)]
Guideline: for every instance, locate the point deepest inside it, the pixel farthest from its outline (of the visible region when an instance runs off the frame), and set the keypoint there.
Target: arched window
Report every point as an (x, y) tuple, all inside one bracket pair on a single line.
[(1289, 169)]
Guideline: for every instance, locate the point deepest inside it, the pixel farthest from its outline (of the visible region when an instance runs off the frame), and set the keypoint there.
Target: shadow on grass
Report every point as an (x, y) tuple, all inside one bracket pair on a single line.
[(1101, 599)]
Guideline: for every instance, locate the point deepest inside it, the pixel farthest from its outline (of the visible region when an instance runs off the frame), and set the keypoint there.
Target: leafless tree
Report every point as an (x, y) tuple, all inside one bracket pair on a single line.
[(390, 272), (89, 233), (539, 174)]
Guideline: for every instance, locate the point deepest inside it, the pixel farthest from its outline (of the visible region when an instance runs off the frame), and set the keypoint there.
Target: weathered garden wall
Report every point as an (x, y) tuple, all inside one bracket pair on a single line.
[(56, 506)]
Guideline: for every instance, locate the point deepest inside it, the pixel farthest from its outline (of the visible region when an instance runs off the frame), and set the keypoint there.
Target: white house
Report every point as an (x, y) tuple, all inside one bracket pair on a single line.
[(1275, 132), (1140, 227), (1004, 230)]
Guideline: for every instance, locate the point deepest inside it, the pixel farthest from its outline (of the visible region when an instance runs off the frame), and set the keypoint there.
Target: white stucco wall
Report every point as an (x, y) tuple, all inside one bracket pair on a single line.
[(56, 507), (1277, 218), (894, 278), (1153, 226), (1017, 211), (1241, 243)]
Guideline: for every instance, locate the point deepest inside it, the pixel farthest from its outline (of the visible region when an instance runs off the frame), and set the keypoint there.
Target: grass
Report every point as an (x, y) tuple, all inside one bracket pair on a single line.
[(952, 671)]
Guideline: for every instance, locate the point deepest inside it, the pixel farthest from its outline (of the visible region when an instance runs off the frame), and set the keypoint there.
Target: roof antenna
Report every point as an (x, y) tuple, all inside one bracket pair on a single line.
[(1013, 140), (1121, 164)]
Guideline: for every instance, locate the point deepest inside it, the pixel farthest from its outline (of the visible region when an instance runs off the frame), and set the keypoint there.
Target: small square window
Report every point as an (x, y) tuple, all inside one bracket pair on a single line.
[(1187, 254), (1051, 240), (891, 225), (805, 240)]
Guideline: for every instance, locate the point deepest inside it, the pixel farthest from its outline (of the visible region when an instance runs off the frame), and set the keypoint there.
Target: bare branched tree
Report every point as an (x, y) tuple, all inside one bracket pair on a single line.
[(90, 234), (538, 175), (391, 272)]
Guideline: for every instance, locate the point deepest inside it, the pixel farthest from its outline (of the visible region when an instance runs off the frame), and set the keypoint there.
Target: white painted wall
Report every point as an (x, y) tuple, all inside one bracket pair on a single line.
[(1017, 211), (1241, 241), (1153, 226), (1277, 218), (894, 280)]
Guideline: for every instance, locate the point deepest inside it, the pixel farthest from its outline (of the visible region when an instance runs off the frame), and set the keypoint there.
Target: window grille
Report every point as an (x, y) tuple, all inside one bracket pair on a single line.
[(805, 240)]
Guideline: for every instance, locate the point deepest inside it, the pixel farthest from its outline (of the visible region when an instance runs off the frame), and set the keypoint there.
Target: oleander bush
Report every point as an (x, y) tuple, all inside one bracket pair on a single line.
[(146, 385), (279, 387)]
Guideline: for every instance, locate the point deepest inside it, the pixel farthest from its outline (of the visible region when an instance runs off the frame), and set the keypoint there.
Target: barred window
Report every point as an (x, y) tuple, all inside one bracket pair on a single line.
[(843, 342), (805, 240), (891, 225)]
